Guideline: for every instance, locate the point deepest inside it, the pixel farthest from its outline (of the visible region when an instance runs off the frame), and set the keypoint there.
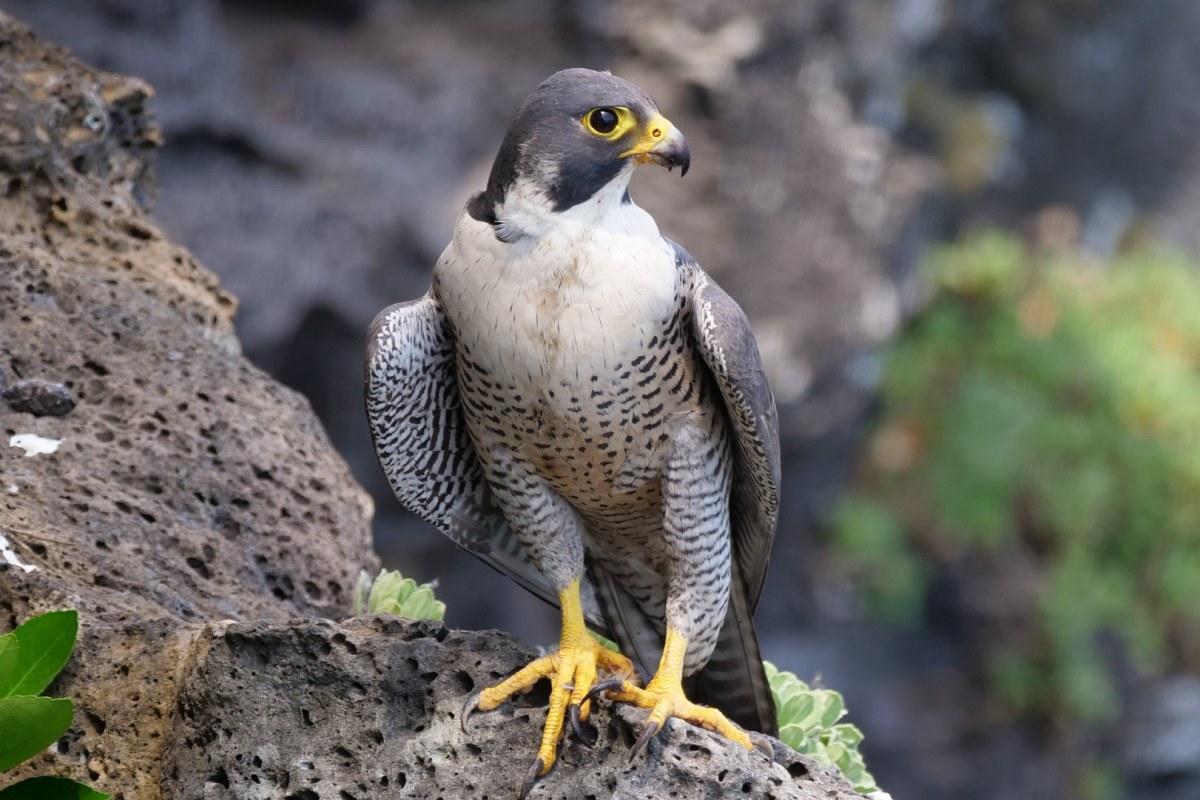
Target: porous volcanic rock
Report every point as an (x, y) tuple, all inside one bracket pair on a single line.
[(370, 709), (186, 485)]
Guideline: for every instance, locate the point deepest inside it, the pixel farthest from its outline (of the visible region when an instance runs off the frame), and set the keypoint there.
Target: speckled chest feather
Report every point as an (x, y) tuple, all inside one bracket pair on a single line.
[(573, 352)]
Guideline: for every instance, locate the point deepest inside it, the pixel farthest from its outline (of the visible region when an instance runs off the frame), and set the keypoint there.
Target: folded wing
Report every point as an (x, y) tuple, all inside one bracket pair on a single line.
[(734, 678), (421, 438)]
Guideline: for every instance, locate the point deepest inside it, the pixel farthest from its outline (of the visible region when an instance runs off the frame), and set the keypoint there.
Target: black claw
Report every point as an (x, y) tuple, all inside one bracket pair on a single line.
[(763, 745), (585, 732), (602, 687), (648, 733), (530, 778), (468, 709)]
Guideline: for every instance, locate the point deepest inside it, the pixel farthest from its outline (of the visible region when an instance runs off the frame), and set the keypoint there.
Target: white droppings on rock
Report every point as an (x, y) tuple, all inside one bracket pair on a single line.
[(13, 488), (34, 445), (9, 556)]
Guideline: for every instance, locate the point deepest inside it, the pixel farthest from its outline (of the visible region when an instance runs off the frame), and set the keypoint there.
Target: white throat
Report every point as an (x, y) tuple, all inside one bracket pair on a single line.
[(563, 292), (528, 212)]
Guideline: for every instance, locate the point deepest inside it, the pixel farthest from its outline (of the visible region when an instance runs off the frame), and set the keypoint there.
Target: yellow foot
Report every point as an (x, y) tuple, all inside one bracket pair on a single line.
[(669, 701), (665, 698), (572, 672)]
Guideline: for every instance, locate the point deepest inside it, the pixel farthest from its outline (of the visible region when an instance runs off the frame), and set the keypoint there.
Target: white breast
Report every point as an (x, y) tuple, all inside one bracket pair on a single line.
[(576, 300)]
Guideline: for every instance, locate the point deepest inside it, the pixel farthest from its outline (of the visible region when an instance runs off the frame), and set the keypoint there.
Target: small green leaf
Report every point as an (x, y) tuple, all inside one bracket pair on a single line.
[(836, 752), (848, 734), (835, 708), (797, 709), (816, 711), (9, 647), (45, 645), (419, 605), (792, 735), (47, 788), (439, 611), (30, 725), (854, 774), (385, 586), (810, 747), (405, 589), (388, 606)]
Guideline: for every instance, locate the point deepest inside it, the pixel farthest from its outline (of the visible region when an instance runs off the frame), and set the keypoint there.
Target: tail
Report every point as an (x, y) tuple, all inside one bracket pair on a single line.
[(734, 680), (638, 636)]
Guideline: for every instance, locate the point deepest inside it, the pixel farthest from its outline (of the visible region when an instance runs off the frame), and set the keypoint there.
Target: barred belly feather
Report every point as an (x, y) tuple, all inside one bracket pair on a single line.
[(577, 374)]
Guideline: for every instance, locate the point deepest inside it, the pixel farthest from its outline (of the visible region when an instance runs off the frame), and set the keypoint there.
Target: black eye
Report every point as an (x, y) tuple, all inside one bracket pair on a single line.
[(603, 120)]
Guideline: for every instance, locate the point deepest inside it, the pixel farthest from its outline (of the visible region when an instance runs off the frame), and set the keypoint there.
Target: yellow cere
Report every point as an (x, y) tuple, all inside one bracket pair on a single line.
[(657, 129)]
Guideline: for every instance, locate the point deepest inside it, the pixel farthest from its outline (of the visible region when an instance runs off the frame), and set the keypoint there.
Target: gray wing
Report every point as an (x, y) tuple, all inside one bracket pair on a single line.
[(421, 438), (722, 332)]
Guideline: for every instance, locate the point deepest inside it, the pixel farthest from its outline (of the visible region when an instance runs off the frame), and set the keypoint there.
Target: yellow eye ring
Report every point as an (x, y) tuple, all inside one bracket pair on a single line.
[(609, 122)]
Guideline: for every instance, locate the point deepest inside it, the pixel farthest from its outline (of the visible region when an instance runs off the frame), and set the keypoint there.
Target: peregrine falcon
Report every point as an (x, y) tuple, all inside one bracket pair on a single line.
[(577, 403)]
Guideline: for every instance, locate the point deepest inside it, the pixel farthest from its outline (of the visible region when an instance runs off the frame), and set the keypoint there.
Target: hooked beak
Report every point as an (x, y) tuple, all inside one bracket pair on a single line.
[(661, 143)]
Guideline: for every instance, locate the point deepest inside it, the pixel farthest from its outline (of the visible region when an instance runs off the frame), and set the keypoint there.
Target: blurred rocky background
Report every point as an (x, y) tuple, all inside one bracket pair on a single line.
[(316, 155)]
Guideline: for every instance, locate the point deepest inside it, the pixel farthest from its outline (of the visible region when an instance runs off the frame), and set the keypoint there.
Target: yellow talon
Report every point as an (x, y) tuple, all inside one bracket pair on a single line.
[(665, 698), (572, 671)]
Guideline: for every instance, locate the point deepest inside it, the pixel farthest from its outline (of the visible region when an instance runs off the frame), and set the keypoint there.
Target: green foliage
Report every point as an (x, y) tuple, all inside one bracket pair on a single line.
[(392, 593), (809, 724), (893, 575), (30, 658), (47, 788), (1097, 781), (31, 724), (35, 652), (1044, 412)]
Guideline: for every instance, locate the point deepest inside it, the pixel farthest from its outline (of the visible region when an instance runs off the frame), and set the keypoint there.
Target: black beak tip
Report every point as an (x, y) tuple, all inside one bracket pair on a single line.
[(684, 160)]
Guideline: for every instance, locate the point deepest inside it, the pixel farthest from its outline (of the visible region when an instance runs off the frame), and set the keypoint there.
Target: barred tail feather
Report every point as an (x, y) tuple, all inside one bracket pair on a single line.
[(635, 633), (734, 680)]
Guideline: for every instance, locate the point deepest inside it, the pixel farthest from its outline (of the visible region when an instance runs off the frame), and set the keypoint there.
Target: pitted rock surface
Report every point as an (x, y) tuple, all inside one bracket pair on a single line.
[(186, 484), (369, 709)]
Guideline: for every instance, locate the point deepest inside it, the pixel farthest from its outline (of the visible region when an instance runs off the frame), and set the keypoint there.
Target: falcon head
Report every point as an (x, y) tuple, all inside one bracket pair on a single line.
[(577, 132)]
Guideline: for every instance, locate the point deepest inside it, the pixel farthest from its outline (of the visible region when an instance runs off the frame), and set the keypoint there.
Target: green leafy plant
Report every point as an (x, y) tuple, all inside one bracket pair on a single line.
[(392, 593), (809, 723), (1041, 439), (30, 657)]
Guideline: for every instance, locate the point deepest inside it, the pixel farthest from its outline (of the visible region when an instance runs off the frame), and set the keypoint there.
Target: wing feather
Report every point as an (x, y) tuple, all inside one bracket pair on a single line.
[(422, 442), (723, 334)]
